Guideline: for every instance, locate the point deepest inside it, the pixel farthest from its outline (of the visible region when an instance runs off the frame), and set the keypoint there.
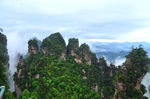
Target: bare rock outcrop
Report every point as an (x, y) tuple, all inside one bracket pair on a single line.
[(17, 75)]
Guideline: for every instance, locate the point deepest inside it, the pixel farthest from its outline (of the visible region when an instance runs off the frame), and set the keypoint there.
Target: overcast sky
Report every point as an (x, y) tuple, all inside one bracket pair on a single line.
[(88, 20)]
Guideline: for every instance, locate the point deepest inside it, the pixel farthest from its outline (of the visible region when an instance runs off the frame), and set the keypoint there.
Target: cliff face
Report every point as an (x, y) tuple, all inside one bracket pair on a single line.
[(124, 82), (109, 82), (33, 46), (81, 54), (3, 48), (4, 65), (52, 67), (130, 75), (72, 48), (33, 49), (18, 75), (54, 44)]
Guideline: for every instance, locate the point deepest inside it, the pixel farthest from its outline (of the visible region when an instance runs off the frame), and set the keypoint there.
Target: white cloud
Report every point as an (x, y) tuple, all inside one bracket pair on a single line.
[(120, 21), (139, 35), (102, 40), (49, 6)]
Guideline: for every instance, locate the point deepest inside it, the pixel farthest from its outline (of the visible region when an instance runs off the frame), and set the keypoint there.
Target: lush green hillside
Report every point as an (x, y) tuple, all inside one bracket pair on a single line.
[(4, 65), (46, 77), (3, 60), (45, 74), (54, 44)]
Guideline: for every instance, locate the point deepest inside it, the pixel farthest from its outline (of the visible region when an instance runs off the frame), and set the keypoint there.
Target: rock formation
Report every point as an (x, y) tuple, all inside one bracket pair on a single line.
[(73, 48), (4, 58), (115, 82), (17, 75), (129, 77), (3, 49), (33, 46), (81, 54), (53, 44)]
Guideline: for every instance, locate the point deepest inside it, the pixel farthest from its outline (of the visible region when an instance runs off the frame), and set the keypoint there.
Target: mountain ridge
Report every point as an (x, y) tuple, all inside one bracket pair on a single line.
[(56, 70), (106, 81)]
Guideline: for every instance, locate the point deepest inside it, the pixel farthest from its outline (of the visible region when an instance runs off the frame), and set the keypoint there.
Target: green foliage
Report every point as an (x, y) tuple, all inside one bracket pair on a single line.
[(102, 62), (3, 64), (85, 47), (9, 95), (3, 80), (73, 42), (138, 59), (54, 44), (58, 79), (106, 84), (33, 42), (25, 94), (142, 87), (136, 65), (3, 48), (47, 77), (3, 60), (94, 59), (3, 43), (133, 93)]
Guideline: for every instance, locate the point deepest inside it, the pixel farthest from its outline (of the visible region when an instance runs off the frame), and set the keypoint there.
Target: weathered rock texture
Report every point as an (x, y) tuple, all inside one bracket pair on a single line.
[(53, 44), (115, 82), (33, 46)]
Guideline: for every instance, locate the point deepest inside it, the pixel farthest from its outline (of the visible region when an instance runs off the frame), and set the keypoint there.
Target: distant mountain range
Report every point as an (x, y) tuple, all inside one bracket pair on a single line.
[(116, 52)]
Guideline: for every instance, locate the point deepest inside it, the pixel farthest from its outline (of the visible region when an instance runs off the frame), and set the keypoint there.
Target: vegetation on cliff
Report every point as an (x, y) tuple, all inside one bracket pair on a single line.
[(131, 76), (54, 44), (79, 75), (4, 65), (3, 60), (33, 42), (3, 79), (3, 48), (47, 77)]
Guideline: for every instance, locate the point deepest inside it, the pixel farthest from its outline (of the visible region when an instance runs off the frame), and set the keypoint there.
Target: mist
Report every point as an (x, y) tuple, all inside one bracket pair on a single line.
[(146, 83), (17, 44), (119, 61)]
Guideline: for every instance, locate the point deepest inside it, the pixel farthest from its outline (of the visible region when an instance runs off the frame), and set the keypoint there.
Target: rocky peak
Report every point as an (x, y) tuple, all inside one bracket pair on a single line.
[(94, 60), (3, 48), (73, 48), (81, 54), (86, 53), (130, 75), (33, 46), (4, 65), (53, 44), (102, 63), (137, 57), (112, 70), (84, 48), (17, 75), (72, 45)]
